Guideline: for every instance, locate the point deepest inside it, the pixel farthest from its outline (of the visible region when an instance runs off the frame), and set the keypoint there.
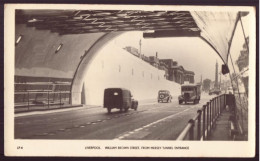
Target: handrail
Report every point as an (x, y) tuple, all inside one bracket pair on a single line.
[(31, 98), (186, 130), (207, 116), (41, 92)]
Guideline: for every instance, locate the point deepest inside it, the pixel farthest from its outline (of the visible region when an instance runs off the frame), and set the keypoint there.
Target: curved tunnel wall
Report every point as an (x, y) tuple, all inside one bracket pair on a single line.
[(35, 54)]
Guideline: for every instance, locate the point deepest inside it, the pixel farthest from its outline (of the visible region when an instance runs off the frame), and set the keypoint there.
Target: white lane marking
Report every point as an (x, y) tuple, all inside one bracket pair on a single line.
[(148, 125), (153, 103)]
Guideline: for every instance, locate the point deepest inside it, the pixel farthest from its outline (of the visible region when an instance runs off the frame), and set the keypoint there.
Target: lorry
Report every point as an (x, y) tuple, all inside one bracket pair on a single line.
[(190, 93)]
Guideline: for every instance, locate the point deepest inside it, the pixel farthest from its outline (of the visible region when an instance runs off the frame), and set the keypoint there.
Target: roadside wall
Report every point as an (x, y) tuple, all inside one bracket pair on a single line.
[(115, 67)]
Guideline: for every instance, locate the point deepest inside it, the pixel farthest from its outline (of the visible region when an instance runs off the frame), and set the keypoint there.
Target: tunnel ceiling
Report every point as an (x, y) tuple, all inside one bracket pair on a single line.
[(94, 21)]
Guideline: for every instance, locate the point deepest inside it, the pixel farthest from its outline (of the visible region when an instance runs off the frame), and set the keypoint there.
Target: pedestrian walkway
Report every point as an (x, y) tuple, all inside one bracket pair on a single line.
[(223, 128), (23, 109)]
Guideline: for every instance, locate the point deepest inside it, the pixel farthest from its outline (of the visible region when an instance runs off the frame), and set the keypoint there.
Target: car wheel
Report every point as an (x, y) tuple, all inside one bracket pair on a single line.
[(109, 110), (126, 109), (180, 102)]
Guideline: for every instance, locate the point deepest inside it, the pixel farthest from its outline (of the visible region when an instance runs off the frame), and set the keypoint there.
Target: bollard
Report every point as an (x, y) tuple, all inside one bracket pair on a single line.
[(203, 126), (213, 113), (48, 99), (199, 125), (28, 100), (60, 99), (225, 101), (208, 119), (191, 131), (224, 106), (210, 116), (216, 108), (220, 104)]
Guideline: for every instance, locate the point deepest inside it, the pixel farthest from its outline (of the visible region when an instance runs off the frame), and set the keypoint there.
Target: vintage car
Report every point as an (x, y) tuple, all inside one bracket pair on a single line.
[(164, 96), (189, 93), (119, 98), (214, 91), (229, 90)]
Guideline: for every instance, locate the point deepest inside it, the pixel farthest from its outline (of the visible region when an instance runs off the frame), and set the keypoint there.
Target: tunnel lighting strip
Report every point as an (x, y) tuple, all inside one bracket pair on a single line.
[(59, 47), (19, 39)]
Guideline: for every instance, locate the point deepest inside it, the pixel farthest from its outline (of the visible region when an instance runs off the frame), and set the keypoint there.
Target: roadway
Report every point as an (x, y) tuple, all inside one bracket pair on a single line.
[(151, 121)]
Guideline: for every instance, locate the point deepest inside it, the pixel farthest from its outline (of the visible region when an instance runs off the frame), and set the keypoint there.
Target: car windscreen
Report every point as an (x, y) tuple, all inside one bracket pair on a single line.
[(187, 88), (163, 92)]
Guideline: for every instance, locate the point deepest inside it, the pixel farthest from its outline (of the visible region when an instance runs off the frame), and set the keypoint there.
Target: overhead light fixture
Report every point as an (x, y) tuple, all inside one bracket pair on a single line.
[(171, 33), (18, 40), (34, 20), (59, 47)]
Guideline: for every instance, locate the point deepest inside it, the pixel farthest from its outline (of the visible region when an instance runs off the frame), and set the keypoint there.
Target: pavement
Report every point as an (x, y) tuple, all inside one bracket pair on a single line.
[(26, 109), (222, 130)]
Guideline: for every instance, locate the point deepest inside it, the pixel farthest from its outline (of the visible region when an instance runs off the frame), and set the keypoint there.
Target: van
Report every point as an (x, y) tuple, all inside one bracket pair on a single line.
[(119, 98)]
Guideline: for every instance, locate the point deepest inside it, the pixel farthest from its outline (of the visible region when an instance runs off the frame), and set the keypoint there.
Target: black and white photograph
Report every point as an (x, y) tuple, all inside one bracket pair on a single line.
[(123, 80)]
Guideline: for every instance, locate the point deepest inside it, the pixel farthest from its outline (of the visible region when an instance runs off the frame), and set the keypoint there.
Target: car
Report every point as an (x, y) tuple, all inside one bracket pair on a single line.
[(164, 96), (214, 91), (190, 93), (229, 90), (119, 98)]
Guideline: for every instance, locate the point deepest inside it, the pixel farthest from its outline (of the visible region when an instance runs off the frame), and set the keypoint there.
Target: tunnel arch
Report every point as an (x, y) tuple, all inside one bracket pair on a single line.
[(81, 65), (88, 57)]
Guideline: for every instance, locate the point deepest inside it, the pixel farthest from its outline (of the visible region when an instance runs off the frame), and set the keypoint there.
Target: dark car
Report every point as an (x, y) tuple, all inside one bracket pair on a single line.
[(214, 91), (189, 93), (164, 96), (119, 98)]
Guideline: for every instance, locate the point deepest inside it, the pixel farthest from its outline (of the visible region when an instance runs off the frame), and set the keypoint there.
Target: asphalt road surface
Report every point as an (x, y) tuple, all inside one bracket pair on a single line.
[(151, 121)]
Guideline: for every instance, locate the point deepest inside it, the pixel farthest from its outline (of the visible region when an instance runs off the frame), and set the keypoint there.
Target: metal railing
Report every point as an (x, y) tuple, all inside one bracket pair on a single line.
[(45, 98), (200, 127)]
